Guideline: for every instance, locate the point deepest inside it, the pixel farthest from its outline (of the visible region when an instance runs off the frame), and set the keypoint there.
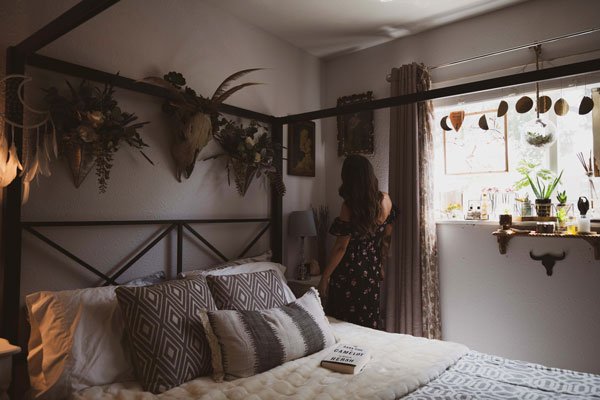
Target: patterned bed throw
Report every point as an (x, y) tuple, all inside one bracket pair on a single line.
[(481, 376)]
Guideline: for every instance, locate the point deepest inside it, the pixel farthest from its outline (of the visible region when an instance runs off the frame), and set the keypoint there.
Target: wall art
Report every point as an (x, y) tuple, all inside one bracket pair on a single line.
[(355, 130), (301, 148)]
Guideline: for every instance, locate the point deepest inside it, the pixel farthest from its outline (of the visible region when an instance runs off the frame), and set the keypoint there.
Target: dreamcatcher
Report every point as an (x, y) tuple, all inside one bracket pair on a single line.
[(39, 139)]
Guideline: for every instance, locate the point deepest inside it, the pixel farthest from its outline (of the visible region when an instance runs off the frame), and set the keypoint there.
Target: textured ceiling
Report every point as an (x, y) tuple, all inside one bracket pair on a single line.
[(326, 28)]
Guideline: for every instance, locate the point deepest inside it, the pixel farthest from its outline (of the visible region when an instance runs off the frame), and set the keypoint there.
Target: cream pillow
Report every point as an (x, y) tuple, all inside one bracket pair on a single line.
[(77, 340)]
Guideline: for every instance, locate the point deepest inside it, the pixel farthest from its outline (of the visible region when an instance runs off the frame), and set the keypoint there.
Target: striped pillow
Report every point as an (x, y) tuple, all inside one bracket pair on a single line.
[(245, 343)]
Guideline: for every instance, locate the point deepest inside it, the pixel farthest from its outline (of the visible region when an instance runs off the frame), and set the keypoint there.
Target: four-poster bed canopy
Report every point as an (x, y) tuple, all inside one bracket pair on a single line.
[(24, 54)]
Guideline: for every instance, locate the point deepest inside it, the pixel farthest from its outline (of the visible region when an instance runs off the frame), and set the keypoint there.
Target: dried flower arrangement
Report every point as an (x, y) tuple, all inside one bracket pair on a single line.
[(91, 127), (195, 117), (321, 216), (249, 153)]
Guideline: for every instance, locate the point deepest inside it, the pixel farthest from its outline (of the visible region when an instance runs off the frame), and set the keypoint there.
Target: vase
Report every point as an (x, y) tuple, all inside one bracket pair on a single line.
[(543, 207), (506, 221), (81, 160), (243, 173)]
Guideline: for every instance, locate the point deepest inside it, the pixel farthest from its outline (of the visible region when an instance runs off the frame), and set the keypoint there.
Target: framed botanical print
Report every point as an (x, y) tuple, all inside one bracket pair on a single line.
[(355, 131), (301, 148)]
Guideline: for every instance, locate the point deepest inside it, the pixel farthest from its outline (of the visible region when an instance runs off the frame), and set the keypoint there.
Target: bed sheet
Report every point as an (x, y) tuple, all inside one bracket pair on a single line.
[(482, 376)]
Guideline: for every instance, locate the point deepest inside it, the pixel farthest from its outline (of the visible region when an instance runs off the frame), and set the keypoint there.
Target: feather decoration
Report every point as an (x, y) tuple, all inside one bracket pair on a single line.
[(225, 84), (231, 91)]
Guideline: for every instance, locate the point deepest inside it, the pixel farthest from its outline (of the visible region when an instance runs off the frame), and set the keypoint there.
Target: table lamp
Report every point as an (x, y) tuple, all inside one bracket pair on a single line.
[(302, 224)]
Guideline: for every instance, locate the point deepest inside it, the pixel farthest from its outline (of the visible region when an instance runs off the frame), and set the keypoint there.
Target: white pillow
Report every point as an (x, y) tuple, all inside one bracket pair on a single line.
[(266, 256), (77, 340), (247, 268)]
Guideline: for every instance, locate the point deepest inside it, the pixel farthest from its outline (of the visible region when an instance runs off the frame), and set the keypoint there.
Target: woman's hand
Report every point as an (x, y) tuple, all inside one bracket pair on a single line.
[(323, 287)]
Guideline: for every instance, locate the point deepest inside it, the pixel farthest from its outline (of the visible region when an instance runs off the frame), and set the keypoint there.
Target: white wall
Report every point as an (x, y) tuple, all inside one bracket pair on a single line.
[(141, 38), (503, 305)]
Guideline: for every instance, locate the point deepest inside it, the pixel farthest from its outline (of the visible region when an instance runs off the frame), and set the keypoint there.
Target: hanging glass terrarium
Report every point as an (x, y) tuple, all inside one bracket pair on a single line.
[(539, 133)]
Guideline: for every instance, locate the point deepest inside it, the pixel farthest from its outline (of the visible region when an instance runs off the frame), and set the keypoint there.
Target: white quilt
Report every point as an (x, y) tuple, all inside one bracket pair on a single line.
[(400, 364)]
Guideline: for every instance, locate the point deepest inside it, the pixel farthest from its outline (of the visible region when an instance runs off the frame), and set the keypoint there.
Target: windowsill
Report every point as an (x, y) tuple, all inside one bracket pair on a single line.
[(467, 222), (492, 223)]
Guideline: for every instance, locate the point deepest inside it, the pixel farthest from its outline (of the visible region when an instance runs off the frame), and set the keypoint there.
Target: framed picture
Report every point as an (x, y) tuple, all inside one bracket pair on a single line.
[(355, 131), (301, 148), (473, 150)]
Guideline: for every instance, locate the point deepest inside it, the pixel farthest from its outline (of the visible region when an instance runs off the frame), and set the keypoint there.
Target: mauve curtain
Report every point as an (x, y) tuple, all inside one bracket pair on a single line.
[(412, 299)]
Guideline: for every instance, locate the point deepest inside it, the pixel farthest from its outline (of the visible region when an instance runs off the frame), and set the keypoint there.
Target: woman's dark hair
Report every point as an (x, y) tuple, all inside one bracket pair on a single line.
[(360, 191)]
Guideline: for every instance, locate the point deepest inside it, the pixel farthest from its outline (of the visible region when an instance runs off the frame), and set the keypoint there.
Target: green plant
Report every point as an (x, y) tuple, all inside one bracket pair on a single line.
[(561, 215), (562, 197), (540, 189), (527, 167)]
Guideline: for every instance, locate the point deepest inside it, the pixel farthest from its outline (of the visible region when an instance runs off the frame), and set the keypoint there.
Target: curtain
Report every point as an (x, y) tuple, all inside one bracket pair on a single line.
[(412, 300)]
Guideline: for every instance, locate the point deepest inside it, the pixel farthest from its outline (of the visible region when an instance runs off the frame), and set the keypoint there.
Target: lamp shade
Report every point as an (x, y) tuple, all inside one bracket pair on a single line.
[(302, 223)]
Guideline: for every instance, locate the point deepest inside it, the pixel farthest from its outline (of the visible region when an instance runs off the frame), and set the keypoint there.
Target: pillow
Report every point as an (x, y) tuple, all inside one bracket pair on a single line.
[(248, 268), (245, 343), (266, 256), (77, 340), (152, 279), (167, 339), (255, 291)]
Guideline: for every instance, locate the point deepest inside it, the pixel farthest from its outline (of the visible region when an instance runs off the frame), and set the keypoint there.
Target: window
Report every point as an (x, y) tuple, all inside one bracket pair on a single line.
[(473, 161)]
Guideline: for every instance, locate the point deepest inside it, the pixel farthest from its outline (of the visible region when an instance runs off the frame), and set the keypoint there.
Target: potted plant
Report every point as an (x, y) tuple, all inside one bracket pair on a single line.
[(542, 192)]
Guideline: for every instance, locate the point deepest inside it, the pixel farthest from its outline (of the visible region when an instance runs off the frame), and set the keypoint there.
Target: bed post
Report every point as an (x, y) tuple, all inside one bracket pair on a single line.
[(276, 200), (10, 267)]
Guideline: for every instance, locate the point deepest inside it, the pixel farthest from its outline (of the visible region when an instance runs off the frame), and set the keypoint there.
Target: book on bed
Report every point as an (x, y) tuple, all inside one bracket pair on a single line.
[(346, 359)]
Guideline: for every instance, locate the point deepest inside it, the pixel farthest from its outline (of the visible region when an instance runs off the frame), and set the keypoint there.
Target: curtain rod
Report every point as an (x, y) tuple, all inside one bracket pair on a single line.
[(471, 87), (511, 49)]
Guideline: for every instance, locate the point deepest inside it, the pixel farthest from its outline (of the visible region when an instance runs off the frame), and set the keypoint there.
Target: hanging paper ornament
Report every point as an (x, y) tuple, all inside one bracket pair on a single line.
[(524, 104), (586, 105), (444, 124), (561, 107), (502, 108), (543, 104), (483, 123), (456, 119)]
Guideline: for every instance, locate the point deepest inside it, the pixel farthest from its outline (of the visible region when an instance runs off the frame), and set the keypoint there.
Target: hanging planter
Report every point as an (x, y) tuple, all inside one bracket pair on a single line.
[(91, 127), (250, 154), (81, 159)]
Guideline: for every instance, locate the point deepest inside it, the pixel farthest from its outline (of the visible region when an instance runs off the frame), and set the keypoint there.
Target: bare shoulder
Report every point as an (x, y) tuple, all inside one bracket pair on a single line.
[(345, 212), (386, 203), (386, 207)]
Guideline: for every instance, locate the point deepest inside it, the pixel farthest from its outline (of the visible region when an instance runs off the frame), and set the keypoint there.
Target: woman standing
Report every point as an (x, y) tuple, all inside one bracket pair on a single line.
[(352, 279)]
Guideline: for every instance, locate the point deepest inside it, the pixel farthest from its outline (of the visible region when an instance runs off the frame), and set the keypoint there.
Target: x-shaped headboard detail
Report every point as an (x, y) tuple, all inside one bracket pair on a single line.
[(179, 225)]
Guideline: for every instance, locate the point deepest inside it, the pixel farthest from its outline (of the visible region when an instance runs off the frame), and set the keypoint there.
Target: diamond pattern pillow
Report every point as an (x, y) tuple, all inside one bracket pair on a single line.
[(168, 342), (249, 291)]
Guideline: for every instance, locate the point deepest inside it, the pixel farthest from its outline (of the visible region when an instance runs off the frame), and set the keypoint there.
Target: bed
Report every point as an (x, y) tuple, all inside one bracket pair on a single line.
[(401, 367)]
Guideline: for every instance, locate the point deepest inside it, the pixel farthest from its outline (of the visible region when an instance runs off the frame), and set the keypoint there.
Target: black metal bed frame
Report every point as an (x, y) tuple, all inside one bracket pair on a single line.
[(23, 54), (177, 224)]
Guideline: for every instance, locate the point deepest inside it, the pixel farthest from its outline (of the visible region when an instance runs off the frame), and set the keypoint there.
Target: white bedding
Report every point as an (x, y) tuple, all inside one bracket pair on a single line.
[(400, 364)]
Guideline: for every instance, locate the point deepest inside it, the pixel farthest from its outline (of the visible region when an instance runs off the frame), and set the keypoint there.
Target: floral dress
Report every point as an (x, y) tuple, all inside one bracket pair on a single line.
[(355, 285)]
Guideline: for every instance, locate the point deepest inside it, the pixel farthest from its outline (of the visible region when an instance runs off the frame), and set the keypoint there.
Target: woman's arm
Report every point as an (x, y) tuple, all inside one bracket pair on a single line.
[(385, 248), (338, 251)]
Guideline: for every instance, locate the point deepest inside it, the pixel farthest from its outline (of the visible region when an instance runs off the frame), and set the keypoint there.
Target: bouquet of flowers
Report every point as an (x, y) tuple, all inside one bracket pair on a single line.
[(91, 127), (249, 153)]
